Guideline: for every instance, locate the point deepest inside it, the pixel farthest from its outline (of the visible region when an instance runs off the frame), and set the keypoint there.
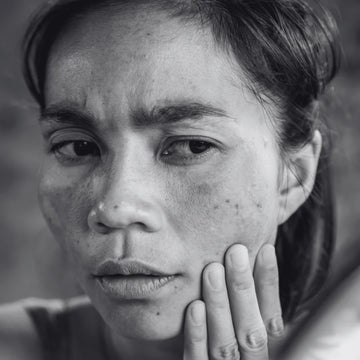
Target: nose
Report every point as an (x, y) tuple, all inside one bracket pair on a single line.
[(127, 200), (106, 217)]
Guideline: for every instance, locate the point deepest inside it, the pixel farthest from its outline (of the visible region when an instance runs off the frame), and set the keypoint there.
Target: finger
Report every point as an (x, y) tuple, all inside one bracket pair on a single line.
[(267, 288), (249, 327), (222, 343), (195, 342)]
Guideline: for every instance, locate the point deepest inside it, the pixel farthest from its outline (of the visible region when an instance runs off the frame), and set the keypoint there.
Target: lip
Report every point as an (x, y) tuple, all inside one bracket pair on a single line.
[(131, 279), (131, 287), (128, 267)]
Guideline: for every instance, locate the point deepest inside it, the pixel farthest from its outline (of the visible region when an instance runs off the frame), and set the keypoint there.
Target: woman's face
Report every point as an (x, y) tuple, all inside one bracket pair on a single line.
[(156, 153)]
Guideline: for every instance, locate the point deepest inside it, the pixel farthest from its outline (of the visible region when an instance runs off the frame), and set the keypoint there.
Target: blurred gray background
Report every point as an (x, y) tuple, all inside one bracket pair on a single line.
[(31, 264)]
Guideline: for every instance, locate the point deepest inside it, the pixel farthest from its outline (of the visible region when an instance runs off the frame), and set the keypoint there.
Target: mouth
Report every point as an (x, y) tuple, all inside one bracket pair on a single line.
[(128, 280)]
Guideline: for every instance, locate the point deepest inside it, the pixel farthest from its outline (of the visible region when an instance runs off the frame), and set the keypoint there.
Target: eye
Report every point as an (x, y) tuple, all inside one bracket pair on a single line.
[(187, 150), (198, 147), (75, 151)]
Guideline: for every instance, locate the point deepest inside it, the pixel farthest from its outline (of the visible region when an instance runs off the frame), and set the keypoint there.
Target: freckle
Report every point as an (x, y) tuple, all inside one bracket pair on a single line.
[(227, 201), (175, 287), (259, 205), (237, 209), (157, 313), (116, 207), (204, 189), (216, 207)]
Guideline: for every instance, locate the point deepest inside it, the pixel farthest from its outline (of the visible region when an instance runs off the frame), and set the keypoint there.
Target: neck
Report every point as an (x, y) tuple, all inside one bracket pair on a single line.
[(123, 348)]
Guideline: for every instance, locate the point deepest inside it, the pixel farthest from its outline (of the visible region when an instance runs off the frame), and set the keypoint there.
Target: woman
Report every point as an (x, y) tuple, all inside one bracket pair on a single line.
[(182, 142)]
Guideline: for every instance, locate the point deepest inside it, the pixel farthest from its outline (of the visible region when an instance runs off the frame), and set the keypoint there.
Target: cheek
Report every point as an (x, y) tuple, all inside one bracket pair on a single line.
[(235, 204), (65, 204)]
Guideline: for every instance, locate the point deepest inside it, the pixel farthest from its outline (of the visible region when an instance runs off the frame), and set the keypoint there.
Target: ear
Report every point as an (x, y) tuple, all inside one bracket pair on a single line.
[(298, 177)]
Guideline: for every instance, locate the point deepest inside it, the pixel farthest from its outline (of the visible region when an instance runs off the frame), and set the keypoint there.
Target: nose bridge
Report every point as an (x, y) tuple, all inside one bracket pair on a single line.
[(127, 175), (125, 197)]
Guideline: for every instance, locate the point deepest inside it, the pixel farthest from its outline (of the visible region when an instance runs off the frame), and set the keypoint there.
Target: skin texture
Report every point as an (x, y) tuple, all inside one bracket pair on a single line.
[(144, 195)]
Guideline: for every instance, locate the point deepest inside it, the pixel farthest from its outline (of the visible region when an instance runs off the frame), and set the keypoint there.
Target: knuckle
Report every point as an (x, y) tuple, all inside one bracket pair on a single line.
[(254, 340), (276, 327), (197, 335), (217, 300), (196, 338), (226, 352), (240, 285), (271, 277), (218, 303)]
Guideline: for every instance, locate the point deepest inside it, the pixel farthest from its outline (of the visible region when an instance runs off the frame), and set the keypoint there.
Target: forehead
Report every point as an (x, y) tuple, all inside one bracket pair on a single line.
[(143, 60)]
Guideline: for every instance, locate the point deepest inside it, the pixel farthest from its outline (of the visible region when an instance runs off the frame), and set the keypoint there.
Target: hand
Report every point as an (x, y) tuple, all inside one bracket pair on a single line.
[(239, 312)]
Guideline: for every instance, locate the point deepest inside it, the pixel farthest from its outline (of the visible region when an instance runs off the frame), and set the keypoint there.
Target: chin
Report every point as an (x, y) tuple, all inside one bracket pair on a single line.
[(143, 320), (149, 332), (146, 325), (153, 319)]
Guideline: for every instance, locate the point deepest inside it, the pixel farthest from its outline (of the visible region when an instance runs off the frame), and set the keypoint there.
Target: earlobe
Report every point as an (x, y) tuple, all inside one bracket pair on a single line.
[(298, 177)]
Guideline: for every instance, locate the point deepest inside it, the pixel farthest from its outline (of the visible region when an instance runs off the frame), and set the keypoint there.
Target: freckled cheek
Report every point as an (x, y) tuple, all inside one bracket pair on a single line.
[(219, 214), (65, 206)]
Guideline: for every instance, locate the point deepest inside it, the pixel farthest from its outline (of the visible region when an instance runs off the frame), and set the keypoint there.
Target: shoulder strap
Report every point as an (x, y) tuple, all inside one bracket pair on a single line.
[(51, 322)]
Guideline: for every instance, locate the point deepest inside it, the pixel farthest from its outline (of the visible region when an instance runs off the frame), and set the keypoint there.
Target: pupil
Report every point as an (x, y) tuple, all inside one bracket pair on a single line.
[(83, 148), (198, 147)]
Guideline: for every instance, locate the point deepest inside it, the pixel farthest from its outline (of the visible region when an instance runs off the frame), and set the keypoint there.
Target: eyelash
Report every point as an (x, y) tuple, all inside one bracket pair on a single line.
[(185, 144), (166, 154), (68, 159)]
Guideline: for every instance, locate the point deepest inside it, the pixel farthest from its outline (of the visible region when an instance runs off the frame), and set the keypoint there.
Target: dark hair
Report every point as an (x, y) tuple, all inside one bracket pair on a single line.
[(289, 52)]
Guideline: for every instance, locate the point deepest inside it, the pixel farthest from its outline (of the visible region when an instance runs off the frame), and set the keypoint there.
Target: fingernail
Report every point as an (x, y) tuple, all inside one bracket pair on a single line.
[(239, 257), (197, 313), (268, 255), (216, 278), (276, 326)]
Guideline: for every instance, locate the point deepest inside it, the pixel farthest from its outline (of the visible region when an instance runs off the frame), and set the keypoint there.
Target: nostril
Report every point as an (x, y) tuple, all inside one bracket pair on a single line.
[(102, 228), (99, 227), (96, 225)]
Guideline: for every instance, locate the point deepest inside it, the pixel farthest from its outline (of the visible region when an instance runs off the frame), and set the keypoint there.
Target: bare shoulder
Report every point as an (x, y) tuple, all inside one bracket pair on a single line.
[(18, 337)]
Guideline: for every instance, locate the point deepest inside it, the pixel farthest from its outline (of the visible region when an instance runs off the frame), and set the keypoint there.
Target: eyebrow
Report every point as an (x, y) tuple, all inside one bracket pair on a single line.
[(158, 115), (67, 114)]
